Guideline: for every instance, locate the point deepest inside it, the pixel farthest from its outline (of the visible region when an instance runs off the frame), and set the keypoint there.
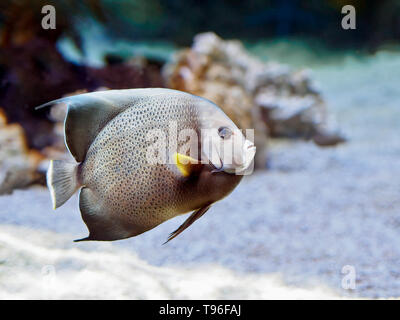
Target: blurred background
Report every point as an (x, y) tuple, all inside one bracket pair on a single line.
[(320, 216)]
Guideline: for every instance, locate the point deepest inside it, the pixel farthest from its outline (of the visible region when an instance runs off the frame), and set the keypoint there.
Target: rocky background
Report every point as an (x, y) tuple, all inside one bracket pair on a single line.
[(36, 65), (266, 96)]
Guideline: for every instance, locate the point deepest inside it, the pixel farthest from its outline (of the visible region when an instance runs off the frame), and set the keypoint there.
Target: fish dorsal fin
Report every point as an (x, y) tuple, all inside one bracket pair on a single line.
[(89, 113)]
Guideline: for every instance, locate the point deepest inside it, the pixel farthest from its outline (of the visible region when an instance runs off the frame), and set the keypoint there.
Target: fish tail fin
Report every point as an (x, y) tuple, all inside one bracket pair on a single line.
[(62, 181)]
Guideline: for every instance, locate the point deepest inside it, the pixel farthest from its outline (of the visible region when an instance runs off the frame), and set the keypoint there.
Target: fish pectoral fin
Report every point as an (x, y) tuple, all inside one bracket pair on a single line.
[(185, 164), (193, 217)]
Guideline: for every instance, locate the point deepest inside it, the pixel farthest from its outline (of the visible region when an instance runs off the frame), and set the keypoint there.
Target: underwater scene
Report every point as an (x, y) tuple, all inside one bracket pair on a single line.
[(308, 207)]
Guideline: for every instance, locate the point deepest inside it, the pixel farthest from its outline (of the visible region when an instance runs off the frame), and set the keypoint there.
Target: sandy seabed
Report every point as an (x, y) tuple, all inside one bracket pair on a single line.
[(283, 233), (60, 270)]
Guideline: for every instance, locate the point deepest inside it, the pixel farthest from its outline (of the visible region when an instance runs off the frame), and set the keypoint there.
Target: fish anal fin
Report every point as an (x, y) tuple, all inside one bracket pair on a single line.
[(188, 222), (101, 225)]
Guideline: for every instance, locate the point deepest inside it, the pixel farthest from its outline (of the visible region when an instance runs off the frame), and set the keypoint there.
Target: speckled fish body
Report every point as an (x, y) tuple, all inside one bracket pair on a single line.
[(137, 195), (122, 195)]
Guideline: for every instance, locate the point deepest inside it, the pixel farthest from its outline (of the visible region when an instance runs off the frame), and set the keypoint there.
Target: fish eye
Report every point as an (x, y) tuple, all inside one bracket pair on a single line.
[(224, 132)]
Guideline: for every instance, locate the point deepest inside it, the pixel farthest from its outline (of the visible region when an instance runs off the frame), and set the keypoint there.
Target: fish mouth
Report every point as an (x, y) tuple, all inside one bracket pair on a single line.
[(217, 170), (243, 169), (223, 169), (249, 154), (249, 157)]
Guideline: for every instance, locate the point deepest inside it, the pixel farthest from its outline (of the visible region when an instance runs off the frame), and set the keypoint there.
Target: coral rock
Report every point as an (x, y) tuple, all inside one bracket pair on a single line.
[(18, 164)]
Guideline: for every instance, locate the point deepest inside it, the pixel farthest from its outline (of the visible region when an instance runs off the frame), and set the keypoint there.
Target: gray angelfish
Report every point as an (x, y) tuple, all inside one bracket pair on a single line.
[(121, 193)]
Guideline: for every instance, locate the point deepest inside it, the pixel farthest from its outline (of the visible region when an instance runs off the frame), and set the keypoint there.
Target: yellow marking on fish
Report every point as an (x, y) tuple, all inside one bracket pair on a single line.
[(184, 163)]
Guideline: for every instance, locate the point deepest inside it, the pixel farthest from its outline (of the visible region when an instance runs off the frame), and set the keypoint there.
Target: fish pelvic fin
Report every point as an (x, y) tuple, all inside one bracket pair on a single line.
[(62, 181), (185, 164), (188, 222)]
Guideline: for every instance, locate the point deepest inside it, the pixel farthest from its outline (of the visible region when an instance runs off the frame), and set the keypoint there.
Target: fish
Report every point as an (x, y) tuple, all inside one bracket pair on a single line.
[(128, 182)]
